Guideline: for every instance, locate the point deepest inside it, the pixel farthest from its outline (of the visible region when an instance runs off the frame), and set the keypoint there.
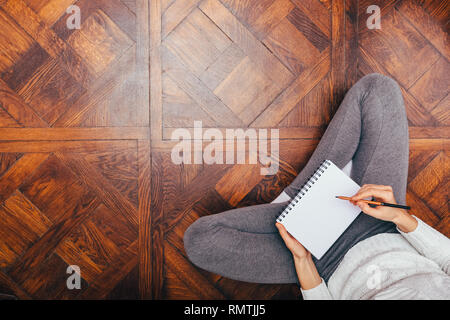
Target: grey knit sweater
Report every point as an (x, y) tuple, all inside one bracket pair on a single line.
[(414, 265)]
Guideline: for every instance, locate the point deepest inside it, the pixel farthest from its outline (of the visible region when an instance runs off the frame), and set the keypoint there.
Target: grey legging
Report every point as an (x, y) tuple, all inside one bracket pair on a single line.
[(370, 128)]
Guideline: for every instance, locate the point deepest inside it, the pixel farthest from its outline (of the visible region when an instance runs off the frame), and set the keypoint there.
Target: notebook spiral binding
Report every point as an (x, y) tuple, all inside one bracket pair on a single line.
[(304, 189)]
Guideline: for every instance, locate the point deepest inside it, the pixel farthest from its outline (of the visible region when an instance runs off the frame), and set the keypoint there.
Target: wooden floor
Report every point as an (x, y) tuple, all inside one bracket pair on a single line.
[(86, 116)]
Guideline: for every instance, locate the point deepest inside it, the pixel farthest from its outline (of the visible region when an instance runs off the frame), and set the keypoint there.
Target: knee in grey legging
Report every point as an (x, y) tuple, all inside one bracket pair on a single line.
[(370, 128)]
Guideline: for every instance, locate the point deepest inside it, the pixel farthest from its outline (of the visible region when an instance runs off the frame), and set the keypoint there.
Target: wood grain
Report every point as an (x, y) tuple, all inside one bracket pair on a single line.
[(18, 109), (239, 34), (157, 236), (86, 118), (397, 54), (114, 200), (155, 70), (55, 47), (292, 95), (145, 221), (21, 170), (55, 134), (186, 272), (53, 215), (337, 51)]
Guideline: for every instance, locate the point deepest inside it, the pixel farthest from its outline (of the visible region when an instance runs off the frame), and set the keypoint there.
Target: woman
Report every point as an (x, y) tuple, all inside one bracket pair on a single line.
[(385, 253)]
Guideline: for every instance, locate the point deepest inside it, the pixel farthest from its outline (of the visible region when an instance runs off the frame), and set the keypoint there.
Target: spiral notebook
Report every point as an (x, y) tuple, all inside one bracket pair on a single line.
[(315, 217)]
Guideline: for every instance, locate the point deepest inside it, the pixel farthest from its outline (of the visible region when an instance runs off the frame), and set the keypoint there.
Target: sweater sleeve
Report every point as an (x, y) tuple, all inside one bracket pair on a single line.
[(317, 293), (430, 243)]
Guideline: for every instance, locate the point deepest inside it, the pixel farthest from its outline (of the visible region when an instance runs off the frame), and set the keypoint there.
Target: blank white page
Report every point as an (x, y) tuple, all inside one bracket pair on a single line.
[(319, 218)]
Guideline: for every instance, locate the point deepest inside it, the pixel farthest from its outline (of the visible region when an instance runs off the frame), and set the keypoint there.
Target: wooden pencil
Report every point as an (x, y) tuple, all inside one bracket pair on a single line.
[(378, 203)]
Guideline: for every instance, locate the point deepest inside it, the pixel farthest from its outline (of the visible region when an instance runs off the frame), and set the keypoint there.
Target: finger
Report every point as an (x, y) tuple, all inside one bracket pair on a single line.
[(285, 235), (362, 189), (282, 230), (367, 209), (279, 226), (384, 195), (376, 186)]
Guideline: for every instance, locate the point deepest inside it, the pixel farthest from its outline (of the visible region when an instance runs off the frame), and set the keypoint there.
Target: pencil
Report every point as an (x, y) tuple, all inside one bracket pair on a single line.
[(378, 203)]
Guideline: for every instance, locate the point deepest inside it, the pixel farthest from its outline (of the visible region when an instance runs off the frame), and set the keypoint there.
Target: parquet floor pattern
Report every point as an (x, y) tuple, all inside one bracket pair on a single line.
[(86, 117)]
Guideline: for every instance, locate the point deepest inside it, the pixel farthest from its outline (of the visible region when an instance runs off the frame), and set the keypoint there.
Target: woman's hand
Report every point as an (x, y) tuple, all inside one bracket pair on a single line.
[(381, 193), (297, 249), (304, 265)]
